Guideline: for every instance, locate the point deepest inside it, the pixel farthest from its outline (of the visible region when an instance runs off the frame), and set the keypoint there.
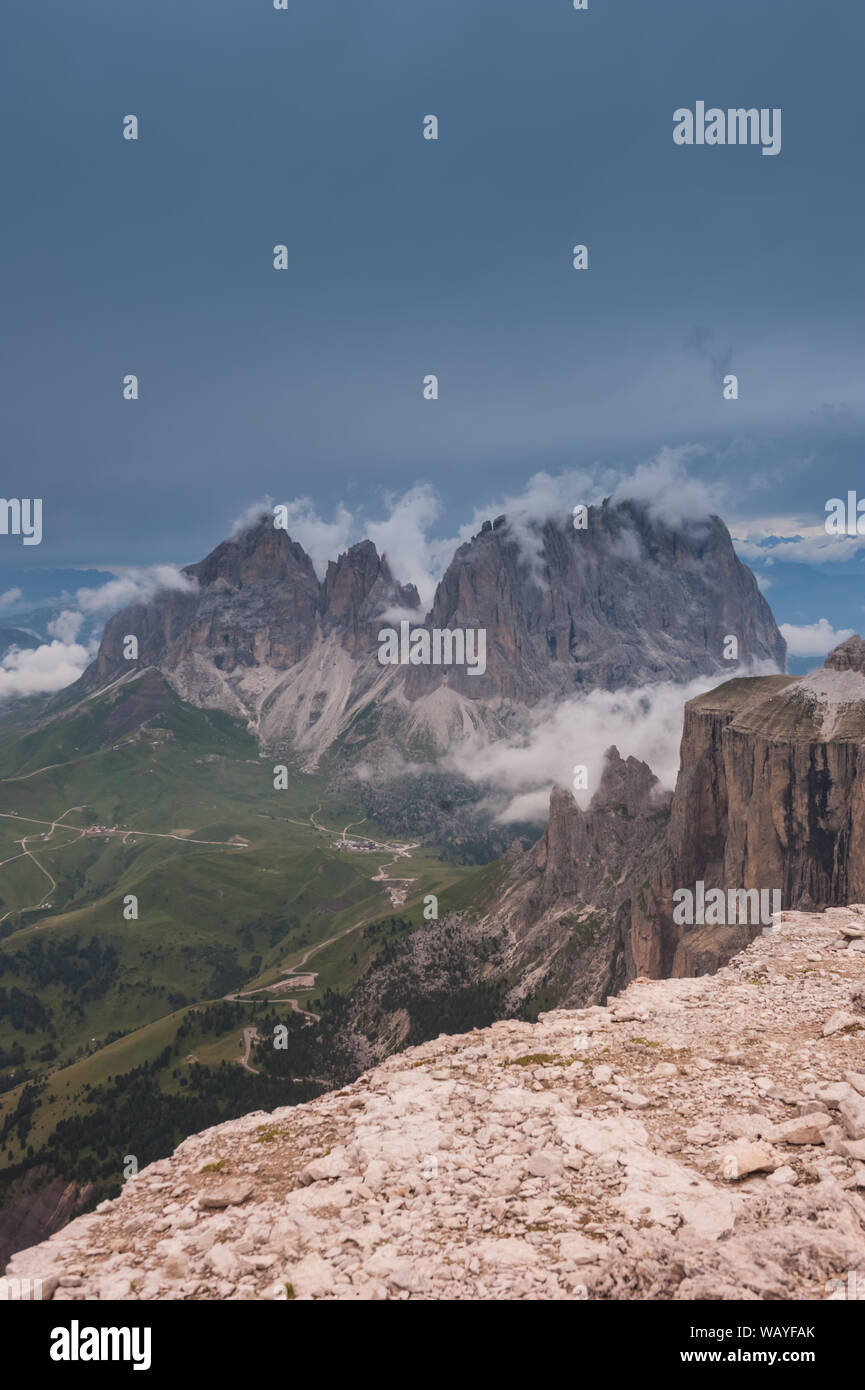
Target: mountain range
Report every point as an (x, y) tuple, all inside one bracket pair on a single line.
[(154, 777), (254, 632)]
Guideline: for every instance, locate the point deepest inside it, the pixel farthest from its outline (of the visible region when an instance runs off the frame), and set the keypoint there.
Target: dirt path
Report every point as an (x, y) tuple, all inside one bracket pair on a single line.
[(30, 855), (25, 776), (34, 820), (124, 834), (397, 889), (292, 981), (82, 830), (250, 1036), (184, 839), (397, 894), (306, 1013)]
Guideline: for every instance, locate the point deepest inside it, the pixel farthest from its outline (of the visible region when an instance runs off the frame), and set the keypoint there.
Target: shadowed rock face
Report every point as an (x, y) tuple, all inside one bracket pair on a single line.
[(150, 697), (37, 1205), (357, 589), (770, 794), (624, 602), (557, 925), (585, 885), (586, 851), (254, 601)]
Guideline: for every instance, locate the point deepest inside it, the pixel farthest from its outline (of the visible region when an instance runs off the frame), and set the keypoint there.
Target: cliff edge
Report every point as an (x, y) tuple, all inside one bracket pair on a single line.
[(696, 1139)]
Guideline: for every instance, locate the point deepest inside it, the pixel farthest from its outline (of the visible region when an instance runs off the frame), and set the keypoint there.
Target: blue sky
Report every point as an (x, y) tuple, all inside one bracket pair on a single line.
[(409, 256)]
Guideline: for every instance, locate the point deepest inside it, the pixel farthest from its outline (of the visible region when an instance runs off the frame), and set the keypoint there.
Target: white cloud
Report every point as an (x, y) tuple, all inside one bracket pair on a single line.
[(793, 540), (545, 497), (416, 556), (397, 615), (9, 599), (403, 536), (813, 639), (58, 663), (251, 516), (644, 723), (668, 491), (42, 670), (66, 625), (763, 583), (662, 484), (132, 586), (803, 550)]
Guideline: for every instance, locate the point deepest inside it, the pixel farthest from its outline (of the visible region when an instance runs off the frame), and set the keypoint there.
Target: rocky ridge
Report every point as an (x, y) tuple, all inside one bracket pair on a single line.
[(251, 630), (553, 929), (696, 1139)]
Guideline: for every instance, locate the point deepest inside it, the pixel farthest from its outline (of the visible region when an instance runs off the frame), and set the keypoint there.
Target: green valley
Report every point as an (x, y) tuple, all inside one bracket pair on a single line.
[(159, 895)]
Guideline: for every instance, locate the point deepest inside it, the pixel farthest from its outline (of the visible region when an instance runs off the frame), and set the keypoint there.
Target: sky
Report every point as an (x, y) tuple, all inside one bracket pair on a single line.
[(406, 257)]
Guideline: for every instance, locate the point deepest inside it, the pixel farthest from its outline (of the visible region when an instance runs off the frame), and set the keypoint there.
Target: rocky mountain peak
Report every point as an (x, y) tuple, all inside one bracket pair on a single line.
[(628, 600), (626, 782), (260, 552), (586, 852), (848, 656), (256, 600), (358, 587)]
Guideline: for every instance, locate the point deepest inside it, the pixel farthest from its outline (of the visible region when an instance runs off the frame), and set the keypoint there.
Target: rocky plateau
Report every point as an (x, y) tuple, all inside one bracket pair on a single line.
[(694, 1139)]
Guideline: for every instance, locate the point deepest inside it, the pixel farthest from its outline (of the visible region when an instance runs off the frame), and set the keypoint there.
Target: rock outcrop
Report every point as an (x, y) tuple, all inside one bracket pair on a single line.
[(569, 904), (554, 927), (697, 1139), (770, 795)]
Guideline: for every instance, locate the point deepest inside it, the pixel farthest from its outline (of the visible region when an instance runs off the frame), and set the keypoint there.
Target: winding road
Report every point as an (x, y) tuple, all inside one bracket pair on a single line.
[(30, 855), (81, 832)]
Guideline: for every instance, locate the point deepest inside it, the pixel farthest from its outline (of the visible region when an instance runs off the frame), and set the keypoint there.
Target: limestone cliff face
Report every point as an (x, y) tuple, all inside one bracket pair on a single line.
[(357, 589), (626, 601), (586, 889), (588, 852), (254, 601), (770, 795)]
